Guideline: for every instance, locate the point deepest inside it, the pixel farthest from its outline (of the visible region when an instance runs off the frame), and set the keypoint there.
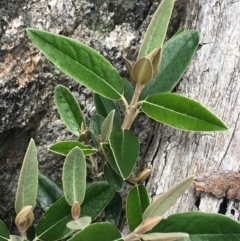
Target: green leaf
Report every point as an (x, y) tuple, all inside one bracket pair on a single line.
[(125, 147), (52, 225), (177, 55), (137, 202), (80, 223), (96, 126), (180, 30), (201, 226), (110, 157), (4, 233), (74, 176), (105, 106), (28, 180), (155, 35), (162, 236), (107, 126), (31, 233), (114, 180), (64, 147), (48, 192), (97, 231), (181, 112), (128, 93), (80, 62), (113, 210), (97, 196), (167, 199), (69, 109)]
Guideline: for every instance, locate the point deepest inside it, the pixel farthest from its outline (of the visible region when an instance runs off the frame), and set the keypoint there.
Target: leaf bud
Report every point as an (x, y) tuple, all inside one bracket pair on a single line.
[(24, 219), (76, 210), (147, 224), (146, 68)]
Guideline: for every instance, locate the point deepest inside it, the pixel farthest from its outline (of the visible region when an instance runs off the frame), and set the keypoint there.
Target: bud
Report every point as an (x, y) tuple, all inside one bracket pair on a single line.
[(76, 210), (147, 224), (146, 68), (157, 58), (24, 219), (142, 71), (142, 176)]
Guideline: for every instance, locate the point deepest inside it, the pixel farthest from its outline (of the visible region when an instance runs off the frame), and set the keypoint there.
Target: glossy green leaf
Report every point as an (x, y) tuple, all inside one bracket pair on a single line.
[(177, 55), (69, 109), (125, 148), (64, 147), (52, 225), (181, 112), (114, 180), (162, 236), (99, 232), (137, 202), (113, 210), (97, 196), (157, 29), (80, 62), (80, 223), (201, 226), (96, 126), (74, 176), (104, 106), (28, 180), (128, 93), (48, 192), (107, 126), (4, 233), (167, 199), (110, 157)]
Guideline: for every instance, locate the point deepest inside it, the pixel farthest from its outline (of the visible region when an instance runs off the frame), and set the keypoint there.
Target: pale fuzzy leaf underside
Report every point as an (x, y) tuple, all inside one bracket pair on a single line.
[(74, 176), (28, 180), (167, 199), (64, 147), (157, 29)]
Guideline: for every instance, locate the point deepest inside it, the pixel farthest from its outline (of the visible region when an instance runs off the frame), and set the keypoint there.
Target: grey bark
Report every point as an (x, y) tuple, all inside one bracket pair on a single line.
[(115, 28), (212, 79)]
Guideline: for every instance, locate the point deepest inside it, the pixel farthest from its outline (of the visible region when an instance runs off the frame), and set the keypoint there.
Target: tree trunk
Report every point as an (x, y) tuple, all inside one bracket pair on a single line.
[(212, 79)]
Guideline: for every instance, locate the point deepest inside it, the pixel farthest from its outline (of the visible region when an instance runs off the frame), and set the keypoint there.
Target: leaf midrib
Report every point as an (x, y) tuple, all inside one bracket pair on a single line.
[(179, 113), (78, 64)]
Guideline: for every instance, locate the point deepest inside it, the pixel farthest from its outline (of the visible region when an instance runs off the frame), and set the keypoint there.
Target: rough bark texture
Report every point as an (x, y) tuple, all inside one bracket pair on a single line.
[(115, 28), (212, 79)]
